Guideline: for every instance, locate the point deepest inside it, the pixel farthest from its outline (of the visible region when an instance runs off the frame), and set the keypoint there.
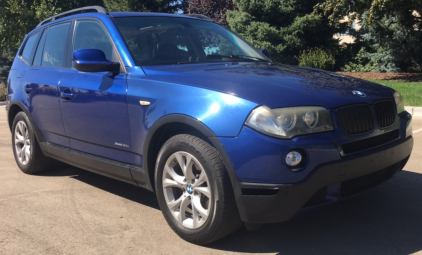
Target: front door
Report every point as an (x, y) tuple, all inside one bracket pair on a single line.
[(94, 105)]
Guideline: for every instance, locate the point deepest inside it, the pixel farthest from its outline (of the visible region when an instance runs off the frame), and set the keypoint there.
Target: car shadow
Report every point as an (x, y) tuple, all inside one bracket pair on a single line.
[(384, 220), (115, 187)]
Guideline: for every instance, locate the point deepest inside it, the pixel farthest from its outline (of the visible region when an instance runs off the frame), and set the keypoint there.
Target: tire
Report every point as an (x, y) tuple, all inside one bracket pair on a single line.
[(206, 194), (28, 154)]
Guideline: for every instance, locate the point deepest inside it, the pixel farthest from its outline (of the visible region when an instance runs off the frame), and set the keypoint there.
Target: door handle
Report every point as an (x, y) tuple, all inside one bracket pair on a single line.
[(28, 89), (66, 95)]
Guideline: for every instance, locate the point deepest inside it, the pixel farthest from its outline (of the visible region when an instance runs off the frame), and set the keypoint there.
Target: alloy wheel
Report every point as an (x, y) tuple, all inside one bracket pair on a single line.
[(22, 142), (187, 190)]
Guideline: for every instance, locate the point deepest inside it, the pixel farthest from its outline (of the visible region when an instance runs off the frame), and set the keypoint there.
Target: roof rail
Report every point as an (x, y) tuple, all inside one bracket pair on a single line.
[(98, 9), (199, 16)]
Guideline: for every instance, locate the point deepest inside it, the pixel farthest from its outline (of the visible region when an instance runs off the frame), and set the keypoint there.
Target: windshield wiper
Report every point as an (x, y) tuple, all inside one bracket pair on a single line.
[(216, 56), (238, 57), (187, 62)]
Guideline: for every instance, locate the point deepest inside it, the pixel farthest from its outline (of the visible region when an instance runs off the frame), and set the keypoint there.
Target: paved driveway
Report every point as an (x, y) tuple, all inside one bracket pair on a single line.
[(71, 211)]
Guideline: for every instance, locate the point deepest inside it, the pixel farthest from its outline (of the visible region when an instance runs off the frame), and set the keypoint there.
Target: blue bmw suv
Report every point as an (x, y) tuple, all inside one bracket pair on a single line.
[(184, 107)]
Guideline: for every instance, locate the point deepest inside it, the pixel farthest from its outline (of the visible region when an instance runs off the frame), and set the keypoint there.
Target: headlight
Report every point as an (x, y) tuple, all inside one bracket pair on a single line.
[(290, 122), (399, 102)]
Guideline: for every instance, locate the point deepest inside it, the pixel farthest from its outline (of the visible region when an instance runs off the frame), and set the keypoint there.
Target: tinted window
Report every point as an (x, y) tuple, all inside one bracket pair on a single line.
[(40, 48), (29, 46), (90, 34), (163, 41), (53, 54)]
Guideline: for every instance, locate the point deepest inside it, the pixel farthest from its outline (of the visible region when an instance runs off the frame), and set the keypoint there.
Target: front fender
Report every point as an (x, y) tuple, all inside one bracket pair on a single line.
[(205, 131), (223, 114)]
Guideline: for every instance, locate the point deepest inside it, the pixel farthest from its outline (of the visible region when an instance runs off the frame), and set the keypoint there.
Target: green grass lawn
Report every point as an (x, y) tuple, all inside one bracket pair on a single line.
[(411, 91)]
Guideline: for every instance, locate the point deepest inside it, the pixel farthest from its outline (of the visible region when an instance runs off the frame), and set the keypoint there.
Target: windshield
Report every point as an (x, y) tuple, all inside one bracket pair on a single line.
[(168, 41)]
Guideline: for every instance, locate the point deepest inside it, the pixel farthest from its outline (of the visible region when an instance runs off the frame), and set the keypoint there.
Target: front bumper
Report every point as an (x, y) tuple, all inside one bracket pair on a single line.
[(270, 203)]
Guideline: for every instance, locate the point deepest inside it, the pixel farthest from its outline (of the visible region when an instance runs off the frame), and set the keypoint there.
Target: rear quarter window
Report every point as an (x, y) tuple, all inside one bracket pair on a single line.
[(29, 47), (40, 48)]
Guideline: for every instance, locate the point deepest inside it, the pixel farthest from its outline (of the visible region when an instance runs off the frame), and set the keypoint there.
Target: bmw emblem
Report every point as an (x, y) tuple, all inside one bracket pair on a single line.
[(359, 93), (190, 189)]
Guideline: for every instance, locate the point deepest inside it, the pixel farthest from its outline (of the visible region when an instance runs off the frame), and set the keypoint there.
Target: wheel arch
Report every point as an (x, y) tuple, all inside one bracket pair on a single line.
[(175, 124), (17, 106)]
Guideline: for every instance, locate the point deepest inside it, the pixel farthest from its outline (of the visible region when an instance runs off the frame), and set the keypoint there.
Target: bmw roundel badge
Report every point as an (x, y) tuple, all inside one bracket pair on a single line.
[(359, 93)]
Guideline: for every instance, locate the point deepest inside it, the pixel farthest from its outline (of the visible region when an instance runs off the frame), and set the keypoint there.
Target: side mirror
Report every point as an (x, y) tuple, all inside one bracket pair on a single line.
[(93, 60), (265, 53)]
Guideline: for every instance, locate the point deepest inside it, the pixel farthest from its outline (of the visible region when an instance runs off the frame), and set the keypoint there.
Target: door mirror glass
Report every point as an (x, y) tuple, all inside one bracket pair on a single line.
[(93, 60)]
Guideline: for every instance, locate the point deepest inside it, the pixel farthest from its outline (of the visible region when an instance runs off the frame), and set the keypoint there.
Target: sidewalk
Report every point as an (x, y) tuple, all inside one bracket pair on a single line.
[(415, 111)]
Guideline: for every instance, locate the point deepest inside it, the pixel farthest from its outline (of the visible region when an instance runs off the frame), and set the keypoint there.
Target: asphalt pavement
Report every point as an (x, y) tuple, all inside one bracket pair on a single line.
[(72, 211)]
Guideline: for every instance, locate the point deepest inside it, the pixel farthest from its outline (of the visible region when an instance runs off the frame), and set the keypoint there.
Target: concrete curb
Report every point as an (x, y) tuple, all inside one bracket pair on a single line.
[(415, 111), (3, 103)]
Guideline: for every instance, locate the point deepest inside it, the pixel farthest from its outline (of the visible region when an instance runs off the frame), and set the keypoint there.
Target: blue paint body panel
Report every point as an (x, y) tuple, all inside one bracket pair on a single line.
[(261, 159), (222, 113), (100, 113), (273, 85), (96, 117), (43, 102), (105, 110)]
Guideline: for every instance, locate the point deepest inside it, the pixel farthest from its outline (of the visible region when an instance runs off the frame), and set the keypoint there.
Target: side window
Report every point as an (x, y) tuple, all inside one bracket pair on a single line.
[(29, 46), (53, 54), (40, 48), (89, 34)]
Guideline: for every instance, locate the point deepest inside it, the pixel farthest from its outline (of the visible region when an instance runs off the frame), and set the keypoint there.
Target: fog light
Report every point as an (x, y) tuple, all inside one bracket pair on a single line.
[(293, 158)]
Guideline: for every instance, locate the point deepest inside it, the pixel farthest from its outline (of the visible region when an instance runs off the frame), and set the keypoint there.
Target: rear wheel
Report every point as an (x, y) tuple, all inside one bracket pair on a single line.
[(194, 190), (28, 154)]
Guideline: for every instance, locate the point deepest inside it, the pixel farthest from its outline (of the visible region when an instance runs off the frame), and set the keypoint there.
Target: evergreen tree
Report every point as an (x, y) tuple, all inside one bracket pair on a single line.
[(283, 27), (169, 6), (5, 64), (215, 9), (368, 10), (393, 42), (391, 32)]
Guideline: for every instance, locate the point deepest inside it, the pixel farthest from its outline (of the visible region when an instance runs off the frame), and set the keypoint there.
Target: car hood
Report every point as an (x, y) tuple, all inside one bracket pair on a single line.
[(273, 85)]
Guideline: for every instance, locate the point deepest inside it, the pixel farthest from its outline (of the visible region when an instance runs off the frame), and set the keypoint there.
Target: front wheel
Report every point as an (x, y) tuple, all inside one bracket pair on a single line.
[(194, 190)]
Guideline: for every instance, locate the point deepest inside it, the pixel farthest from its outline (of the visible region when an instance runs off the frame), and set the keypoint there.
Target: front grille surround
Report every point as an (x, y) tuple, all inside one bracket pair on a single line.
[(370, 142), (355, 119), (361, 119)]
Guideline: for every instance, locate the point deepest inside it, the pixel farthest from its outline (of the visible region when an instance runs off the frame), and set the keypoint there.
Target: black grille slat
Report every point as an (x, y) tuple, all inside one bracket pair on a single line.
[(385, 112), (370, 142), (355, 119)]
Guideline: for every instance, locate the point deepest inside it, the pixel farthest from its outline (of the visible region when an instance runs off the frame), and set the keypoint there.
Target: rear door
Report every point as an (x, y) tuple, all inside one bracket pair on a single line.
[(95, 112), (41, 80)]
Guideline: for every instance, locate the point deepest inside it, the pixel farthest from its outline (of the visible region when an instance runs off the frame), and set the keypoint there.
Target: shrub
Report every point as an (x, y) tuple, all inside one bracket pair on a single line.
[(317, 58), (5, 65), (3, 93), (377, 61)]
